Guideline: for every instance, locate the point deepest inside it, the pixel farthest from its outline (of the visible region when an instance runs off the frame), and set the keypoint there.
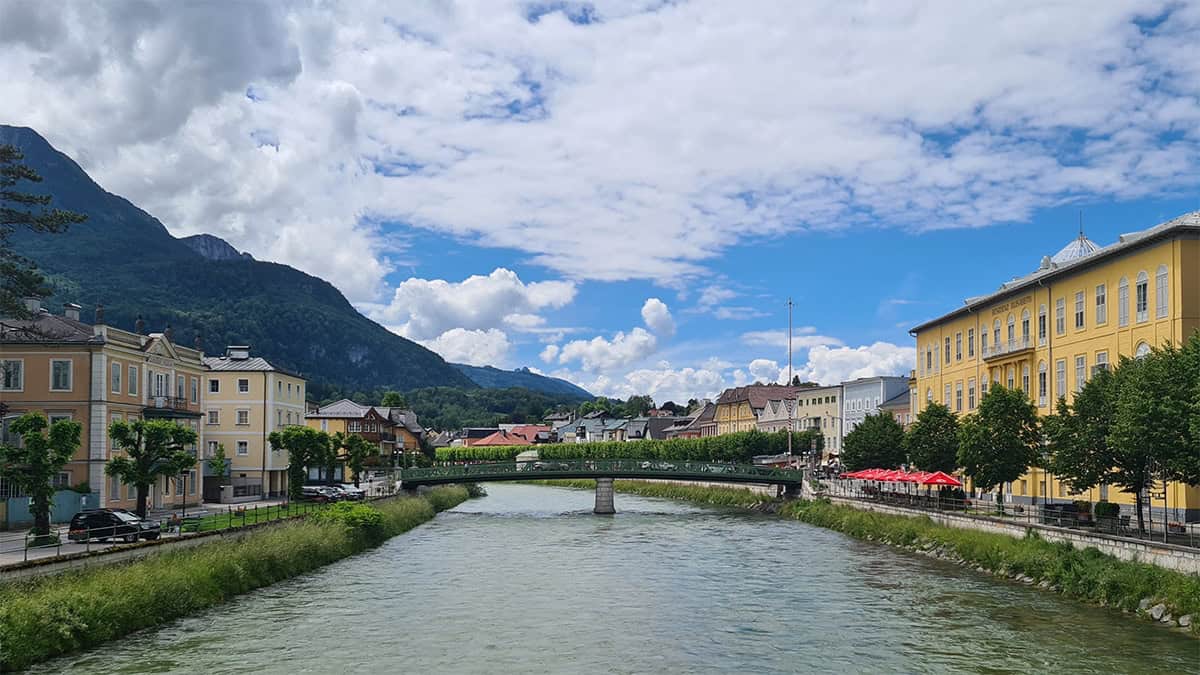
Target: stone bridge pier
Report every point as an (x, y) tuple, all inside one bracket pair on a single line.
[(604, 497)]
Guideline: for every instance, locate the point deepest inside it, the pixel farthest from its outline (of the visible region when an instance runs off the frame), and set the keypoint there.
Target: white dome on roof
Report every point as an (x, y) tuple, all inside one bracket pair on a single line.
[(1080, 247)]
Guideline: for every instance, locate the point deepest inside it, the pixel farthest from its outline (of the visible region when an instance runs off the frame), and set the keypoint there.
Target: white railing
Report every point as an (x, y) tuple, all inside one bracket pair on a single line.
[(1014, 345)]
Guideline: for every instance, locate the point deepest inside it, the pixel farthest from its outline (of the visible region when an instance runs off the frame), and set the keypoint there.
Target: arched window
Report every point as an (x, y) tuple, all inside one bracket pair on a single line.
[(1012, 330), (1025, 326), (984, 384), (1025, 379), (1161, 294), (929, 395), (1123, 302), (1042, 383), (1142, 350), (1142, 297), (1042, 325), (983, 334), (1012, 374), (996, 334)]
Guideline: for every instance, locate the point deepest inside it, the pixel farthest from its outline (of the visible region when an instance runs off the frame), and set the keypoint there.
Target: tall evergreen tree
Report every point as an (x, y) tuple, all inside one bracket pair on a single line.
[(22, 209)]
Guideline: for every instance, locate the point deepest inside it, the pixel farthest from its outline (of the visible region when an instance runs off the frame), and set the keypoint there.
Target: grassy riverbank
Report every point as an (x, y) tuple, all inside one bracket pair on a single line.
[(1084, 574), (700, 494), (46, 617)]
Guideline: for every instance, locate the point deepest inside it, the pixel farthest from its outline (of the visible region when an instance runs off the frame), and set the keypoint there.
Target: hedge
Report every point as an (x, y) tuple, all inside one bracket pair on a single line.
[(736, 447)]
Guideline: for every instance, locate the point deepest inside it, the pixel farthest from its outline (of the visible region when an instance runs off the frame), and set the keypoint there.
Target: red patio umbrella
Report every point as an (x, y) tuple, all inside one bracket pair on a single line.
[(940, 478)]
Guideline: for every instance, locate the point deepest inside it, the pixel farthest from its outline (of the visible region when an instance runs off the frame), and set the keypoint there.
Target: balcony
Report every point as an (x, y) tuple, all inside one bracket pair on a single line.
[(168, 406), (1010, 348)]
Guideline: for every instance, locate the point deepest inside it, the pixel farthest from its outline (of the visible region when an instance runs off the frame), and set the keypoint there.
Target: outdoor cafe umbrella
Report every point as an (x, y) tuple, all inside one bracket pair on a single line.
[(941, 479)]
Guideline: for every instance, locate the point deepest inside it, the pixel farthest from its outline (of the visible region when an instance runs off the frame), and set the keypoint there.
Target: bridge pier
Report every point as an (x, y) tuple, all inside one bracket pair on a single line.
[(604, 497)]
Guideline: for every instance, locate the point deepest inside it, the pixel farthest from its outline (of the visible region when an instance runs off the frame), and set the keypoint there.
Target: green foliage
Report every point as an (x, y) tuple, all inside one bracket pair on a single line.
[(876, 443), (999, 442), (455, 408), (305, 447), (218, 464), (393, 399), (350, 514), (932, 440), (42, 455), (1107, 510), (29, 211), (152, 448), (737, 447), (82, 487), (714, 496), (475, 490), (49, 616), (354, 450)]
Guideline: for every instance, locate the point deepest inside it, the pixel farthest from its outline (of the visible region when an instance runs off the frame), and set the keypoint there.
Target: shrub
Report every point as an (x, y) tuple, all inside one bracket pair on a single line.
[(1107, 510), (736, 447), (350, 515)]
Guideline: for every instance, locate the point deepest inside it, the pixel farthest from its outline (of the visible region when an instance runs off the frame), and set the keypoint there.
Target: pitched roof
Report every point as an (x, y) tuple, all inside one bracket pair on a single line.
[(1072, 263), (45, 327), (343, 409), (900, 400), (758, 394), (402, 417), (502, 438)]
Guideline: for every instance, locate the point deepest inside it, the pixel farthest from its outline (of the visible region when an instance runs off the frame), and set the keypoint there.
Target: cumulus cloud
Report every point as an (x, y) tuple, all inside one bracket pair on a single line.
[(663, 383), (804, 337), (764, 370), (475, 347), (831, 365), (658, 317), (601, 354), (297, 136)]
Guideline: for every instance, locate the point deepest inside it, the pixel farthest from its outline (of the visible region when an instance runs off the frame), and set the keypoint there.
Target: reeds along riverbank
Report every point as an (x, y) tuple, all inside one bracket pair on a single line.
[(1151, 592), (50, 616)]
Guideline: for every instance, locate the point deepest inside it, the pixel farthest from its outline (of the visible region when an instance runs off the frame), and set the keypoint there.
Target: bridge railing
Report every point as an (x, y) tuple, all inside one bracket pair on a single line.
[(546, 468)]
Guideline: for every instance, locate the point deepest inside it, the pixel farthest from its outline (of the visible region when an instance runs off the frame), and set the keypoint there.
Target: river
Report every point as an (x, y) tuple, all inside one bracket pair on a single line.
[(528, 580)]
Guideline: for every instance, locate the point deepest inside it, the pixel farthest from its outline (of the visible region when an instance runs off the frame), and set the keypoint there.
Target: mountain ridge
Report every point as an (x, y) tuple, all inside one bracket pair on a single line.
[(490, 377)]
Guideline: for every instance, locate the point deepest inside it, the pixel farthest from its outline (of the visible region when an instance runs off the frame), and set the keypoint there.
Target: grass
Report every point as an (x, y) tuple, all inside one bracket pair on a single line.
[(1083, 574), (249, 516), (51, 616), (700, 494)]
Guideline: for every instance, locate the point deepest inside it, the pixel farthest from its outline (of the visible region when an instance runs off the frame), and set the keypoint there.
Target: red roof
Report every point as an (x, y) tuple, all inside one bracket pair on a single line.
[(502, 438), (528, 431)]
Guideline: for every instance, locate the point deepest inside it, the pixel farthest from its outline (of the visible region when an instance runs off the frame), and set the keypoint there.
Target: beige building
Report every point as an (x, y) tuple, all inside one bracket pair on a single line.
[(96, 374), (246, 398)]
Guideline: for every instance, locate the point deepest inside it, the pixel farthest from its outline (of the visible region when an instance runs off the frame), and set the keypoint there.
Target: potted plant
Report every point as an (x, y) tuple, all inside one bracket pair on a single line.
[(1083, 512), (1108, 516)]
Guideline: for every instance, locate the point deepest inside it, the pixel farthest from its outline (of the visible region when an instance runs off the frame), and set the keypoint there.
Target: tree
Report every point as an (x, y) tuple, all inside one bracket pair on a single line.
[(39, 459), (354, 450), (305, 447), (1000, 441), (152, 448), (809, 440), (636, 406), (876, 443), (18, 277), (217, 464), (932, 441), (393, 399)]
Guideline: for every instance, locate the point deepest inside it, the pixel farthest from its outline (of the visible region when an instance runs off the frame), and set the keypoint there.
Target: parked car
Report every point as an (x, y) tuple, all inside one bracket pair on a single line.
[(355, 494), (319, 493), (107, 524)]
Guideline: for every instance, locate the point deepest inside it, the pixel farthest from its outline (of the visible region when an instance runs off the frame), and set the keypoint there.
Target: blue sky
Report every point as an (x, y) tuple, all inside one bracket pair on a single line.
[(625, 192)]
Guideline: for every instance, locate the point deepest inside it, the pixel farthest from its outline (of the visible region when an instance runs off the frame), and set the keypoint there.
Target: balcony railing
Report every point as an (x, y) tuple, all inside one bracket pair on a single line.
[(167, 403), (1013, 346)]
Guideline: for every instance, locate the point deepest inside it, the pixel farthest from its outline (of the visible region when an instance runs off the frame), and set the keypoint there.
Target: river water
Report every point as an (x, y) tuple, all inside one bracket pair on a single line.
[(528, 580)]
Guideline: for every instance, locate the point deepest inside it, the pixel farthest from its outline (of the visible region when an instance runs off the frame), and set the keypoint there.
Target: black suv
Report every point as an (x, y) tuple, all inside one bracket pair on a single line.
[(106, 524)]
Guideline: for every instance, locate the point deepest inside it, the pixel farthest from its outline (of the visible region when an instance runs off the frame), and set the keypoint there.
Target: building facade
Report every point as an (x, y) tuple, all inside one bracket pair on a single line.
[(245, 399), (863, 397), (97, 374), (738, 409), (1047, 332)]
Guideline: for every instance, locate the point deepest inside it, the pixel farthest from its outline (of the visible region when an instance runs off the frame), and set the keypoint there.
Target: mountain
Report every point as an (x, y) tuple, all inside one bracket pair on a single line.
[(494, 378), (211, 247), (125, 259)]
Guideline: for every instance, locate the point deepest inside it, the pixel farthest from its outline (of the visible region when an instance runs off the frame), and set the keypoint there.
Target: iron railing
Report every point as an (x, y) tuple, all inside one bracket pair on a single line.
[(601, 468)]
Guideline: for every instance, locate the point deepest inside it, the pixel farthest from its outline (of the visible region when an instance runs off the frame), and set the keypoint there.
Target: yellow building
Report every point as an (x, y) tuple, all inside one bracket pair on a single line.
[(394, 431), (1048, 331), (96, 374), (738, 409), (246, 398)]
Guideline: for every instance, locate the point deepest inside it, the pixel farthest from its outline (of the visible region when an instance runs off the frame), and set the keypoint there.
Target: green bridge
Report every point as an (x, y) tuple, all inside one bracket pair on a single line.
[(604, 471)]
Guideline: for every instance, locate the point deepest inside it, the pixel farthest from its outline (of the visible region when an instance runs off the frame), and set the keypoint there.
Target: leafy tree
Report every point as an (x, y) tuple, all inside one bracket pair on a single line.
[(393, 399), (636, 406), (354, 450), (809, 440), (693, 405), (152, 448), (305, 447), (932, 440), (18, 277), (1000, 441), (877, 442), (32, 466), (673, 408), (217, 464)]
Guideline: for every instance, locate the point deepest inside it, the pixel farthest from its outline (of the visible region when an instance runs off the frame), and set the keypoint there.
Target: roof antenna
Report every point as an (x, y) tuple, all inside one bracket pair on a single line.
[(1081, 237)]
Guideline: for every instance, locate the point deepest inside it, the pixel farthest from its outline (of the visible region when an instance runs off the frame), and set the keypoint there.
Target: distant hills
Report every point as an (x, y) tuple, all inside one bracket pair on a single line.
[(494, 378), (125, 259)]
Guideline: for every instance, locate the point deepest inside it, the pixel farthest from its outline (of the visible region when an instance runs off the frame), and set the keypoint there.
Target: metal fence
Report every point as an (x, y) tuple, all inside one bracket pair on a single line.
[(1060, 514)]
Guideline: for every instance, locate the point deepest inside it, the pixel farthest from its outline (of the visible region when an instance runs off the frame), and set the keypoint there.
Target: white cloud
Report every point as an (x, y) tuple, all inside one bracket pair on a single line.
[(549, 353), (831, 365), (658, 317), (764, 370), (804, 337), (422, 309), (601, 355), (641, 146), (475, 347), (663, 383)]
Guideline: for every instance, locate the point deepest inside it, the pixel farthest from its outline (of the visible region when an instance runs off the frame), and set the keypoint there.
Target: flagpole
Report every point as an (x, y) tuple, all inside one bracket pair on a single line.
[(789, 403)]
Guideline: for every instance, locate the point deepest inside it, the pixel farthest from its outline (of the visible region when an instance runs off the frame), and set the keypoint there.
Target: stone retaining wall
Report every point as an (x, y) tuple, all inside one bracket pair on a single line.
[(1168, 556)]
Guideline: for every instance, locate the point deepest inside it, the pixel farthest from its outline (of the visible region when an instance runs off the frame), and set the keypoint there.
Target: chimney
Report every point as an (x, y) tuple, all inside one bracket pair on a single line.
[(139, 326), (99, 315), (71, 311), (237, 352), (168, 333), (32, 305), (198, 343)]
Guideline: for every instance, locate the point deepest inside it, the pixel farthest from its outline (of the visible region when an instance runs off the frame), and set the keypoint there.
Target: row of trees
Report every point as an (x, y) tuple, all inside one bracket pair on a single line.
[(308, 447), (1130, 427)]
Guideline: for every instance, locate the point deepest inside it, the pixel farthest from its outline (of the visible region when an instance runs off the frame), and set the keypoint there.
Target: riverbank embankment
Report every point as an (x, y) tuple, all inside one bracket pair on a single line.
[(1155, 594), (50, 616)]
